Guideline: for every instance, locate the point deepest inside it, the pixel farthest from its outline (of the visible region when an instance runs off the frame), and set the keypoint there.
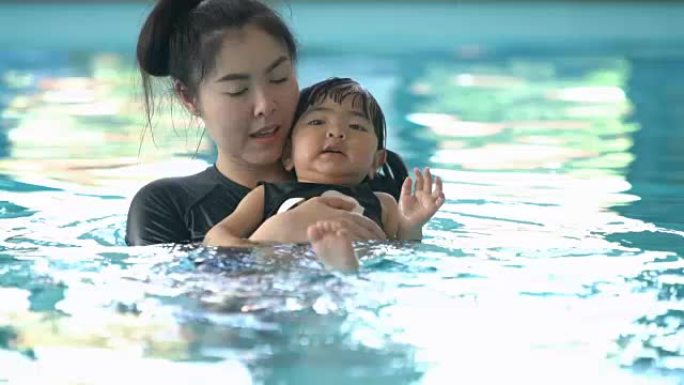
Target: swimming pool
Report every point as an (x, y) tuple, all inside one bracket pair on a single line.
[(558, 257)]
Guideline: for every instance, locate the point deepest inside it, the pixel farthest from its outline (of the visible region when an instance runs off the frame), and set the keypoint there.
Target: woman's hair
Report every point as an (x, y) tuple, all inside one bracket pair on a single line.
[(182, 38), (394, 170)]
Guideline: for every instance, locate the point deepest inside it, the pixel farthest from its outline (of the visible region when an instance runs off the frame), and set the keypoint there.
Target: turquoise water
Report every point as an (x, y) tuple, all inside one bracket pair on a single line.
[(557, 258)]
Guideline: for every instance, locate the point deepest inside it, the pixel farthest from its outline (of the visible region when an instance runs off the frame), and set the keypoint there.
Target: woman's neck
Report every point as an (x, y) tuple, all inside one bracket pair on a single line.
[(248, 175)]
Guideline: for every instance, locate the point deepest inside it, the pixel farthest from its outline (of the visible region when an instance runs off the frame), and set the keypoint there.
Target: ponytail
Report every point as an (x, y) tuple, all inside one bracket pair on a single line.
[(154, 44), (155, 37)]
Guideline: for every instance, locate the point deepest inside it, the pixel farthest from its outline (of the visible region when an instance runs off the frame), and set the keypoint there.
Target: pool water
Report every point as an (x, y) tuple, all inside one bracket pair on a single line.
[(557, 258)]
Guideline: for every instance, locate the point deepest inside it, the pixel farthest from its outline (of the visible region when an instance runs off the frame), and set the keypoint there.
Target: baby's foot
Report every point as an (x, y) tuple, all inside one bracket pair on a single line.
[(332, 245)]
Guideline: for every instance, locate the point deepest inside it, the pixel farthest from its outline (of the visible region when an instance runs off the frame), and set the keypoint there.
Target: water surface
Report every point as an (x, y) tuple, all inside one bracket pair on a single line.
[(556, 258)]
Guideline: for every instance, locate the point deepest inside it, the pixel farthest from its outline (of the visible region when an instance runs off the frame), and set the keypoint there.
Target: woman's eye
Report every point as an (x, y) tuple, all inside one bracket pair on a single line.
[(357, 127), (237, 93), (278, 81), (315, 122)]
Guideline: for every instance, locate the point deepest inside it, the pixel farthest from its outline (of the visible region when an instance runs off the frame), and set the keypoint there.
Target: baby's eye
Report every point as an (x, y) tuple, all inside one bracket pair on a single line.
[(315, 122), (358, 127), (278, 81)]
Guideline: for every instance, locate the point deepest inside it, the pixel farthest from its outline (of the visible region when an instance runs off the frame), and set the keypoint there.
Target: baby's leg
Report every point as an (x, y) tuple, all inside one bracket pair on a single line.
[(333, 246)]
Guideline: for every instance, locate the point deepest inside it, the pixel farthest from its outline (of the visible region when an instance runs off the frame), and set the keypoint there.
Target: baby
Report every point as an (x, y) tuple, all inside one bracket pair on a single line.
[(336, 147)]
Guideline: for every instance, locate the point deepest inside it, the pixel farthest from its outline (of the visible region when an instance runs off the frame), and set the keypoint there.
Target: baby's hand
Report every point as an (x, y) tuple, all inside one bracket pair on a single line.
[(418, 206)]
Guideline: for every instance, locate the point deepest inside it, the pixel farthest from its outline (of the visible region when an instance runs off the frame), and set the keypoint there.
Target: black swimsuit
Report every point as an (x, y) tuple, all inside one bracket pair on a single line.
[(275, 194), (183, 209)]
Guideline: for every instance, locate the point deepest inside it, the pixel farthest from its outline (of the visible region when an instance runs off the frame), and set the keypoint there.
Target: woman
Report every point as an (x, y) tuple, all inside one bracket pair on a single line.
[(232, 64)]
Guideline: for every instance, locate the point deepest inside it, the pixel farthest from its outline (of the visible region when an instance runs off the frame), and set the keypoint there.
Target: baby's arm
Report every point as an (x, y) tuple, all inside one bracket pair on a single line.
[(235, 228), (292, 225), (390, 214), (415, 208)]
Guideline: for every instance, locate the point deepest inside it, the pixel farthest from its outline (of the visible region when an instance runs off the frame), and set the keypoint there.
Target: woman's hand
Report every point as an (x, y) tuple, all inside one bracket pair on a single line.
[(291, 226), (418, 204)]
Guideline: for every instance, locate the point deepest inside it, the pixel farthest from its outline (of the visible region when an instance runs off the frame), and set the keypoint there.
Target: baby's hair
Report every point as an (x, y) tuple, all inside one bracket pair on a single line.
[(339, 89)]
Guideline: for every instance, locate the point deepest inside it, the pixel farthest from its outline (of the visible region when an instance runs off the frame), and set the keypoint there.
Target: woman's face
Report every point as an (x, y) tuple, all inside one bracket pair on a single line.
[(247, 102)]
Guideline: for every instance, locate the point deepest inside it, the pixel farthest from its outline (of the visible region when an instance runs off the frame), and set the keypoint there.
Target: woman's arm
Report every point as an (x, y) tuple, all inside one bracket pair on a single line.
[(234, 229), (291, 225), (154, 216)]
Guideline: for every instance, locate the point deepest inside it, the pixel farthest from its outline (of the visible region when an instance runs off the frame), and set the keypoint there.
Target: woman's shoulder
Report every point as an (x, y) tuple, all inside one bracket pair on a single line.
[(173, 185), (190, 186), (385, 184), (158, 211)]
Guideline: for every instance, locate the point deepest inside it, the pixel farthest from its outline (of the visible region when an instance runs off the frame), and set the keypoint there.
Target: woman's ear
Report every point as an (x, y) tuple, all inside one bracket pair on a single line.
[(286, 159), (379, 159), (189, 102)]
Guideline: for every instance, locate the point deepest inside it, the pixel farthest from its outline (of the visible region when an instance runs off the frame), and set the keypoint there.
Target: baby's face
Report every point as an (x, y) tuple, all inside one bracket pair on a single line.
[(334, 143)]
